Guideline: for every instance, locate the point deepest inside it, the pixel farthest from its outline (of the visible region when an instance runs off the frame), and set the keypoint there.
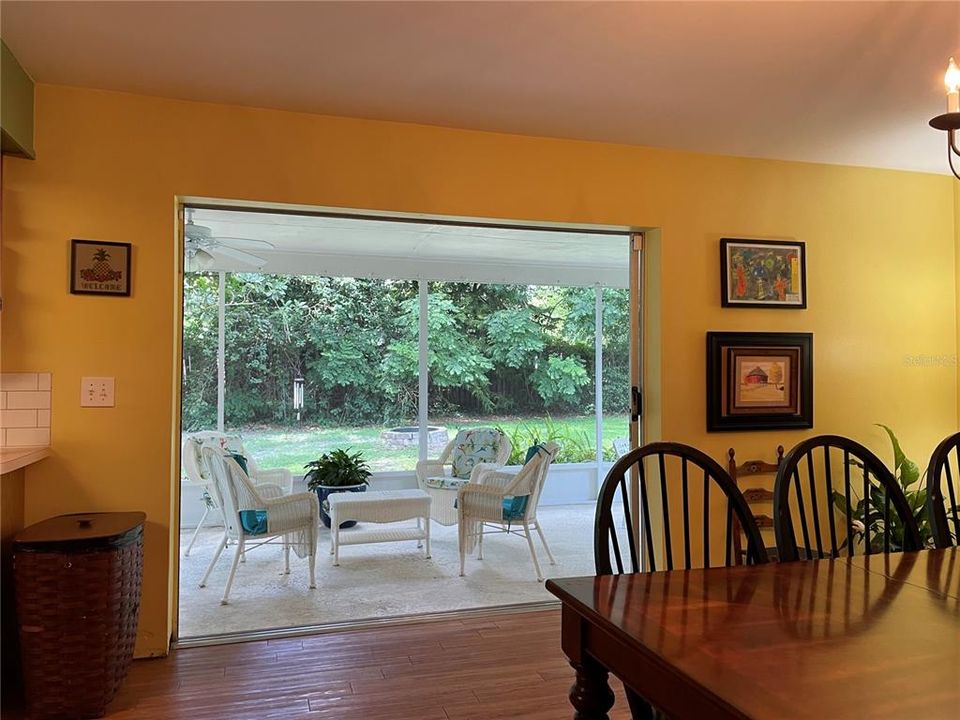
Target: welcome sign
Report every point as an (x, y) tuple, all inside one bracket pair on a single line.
[(100, 268)]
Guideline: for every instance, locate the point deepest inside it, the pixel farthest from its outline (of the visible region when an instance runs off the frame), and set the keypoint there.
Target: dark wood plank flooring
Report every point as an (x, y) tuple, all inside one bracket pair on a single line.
[(495, 667)]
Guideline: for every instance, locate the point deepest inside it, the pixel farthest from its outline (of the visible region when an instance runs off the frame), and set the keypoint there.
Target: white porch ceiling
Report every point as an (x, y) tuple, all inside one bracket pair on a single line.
[(348, 247)]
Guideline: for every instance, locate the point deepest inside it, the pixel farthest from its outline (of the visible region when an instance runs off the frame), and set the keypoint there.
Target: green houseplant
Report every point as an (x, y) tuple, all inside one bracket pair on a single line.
[(870, 511), (336, 471)]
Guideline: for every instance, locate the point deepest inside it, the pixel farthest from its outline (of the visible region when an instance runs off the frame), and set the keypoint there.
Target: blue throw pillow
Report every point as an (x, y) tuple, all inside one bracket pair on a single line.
[(254, 522), (515, 507)]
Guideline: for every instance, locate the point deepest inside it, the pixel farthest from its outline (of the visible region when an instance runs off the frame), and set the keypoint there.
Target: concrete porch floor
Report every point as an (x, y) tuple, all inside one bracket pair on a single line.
[(377, 581)]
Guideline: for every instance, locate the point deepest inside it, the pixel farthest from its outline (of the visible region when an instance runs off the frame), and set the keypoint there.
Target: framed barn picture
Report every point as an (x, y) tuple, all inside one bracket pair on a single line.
[(763, 273), (99, 268), (759, 381)]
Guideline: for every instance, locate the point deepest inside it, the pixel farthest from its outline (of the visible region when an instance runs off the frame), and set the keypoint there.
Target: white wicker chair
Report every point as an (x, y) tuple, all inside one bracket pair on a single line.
[(294, 518), (442, 486), (197, 475), (482, 510)]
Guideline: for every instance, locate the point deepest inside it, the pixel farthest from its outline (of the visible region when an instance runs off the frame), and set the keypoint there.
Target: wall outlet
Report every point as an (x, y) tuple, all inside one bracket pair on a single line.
[(96, 392)]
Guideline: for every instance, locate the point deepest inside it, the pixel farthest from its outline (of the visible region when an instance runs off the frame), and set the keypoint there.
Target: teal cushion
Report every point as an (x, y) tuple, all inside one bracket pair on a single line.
[(254, 522), (241, 461), (515, 507), (532, 452)]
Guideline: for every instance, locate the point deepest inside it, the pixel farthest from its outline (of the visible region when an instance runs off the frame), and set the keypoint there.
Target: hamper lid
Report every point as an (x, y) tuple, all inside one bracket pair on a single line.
[(99, 529)]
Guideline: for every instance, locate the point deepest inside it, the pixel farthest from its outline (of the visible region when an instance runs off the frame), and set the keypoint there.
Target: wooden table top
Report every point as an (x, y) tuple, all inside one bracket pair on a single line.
[(854, 637)]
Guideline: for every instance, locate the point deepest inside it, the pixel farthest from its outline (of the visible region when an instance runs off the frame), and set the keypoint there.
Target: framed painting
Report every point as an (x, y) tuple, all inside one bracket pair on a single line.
[(763, 273), (759, 381), (100, 268)]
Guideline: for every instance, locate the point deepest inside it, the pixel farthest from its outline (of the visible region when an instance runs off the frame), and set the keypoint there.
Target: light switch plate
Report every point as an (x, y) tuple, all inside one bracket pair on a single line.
[(96, 392)]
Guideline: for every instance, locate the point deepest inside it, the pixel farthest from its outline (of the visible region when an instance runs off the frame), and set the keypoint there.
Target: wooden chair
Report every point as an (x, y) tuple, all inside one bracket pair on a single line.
[(819, 462), (695, 475), (753, 496), (943, 511)]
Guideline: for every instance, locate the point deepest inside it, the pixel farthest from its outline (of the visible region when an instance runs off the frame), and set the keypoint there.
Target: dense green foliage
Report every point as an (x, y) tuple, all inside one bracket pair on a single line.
[(493, 349)]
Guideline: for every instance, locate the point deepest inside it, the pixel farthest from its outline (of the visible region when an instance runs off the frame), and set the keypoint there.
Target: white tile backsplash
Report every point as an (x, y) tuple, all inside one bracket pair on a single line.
[(18, 381), (28, 400), (25, 400), (27, 437), (19, 418)]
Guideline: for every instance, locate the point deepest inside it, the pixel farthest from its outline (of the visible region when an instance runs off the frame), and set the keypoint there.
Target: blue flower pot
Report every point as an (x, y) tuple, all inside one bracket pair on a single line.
[(324, 491)]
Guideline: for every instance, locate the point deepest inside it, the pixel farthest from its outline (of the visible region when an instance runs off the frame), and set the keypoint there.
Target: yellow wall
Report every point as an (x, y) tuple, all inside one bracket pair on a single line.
[(881, 266)]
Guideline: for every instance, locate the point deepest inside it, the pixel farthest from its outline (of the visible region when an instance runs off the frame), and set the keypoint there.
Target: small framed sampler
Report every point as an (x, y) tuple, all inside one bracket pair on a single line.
[(763, 273), (759, 381), (99, 268)]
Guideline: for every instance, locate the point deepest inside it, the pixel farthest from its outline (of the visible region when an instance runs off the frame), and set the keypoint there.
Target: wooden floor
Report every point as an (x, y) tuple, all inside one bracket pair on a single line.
[(497, 667)]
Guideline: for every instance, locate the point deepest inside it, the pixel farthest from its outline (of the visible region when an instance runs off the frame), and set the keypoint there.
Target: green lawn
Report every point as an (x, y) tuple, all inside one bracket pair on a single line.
[(294, 447)]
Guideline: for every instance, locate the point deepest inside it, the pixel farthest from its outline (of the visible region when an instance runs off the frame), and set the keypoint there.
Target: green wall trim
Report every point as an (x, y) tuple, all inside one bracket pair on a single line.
[(16, 106)]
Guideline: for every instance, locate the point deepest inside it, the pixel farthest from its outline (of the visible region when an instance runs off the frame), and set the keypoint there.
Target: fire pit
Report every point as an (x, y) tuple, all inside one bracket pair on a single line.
[(401, 437)]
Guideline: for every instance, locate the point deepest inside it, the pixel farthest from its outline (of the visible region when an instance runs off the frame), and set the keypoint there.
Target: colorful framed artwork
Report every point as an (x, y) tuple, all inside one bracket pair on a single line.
[(759, 381), (763, 273), (100, 268)]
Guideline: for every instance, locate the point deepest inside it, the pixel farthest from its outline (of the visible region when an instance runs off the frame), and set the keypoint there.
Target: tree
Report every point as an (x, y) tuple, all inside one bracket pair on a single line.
[(492, 349)]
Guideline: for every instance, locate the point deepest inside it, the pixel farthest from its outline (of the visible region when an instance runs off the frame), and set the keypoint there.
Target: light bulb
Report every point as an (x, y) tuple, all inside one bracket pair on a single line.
[(199, 260), (203, 260), (951, 79)]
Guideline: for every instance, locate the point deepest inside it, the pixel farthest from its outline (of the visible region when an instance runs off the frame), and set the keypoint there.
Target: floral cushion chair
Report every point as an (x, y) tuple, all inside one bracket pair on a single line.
[(470, 454)]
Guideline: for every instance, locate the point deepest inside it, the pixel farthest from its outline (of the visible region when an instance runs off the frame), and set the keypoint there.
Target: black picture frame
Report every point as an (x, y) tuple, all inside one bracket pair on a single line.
[(723, 351), (115, 286), (727, 284)]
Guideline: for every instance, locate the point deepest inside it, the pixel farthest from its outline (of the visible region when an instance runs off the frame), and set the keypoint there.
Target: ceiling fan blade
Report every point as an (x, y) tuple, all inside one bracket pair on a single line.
[(243, 243), (244, 257)]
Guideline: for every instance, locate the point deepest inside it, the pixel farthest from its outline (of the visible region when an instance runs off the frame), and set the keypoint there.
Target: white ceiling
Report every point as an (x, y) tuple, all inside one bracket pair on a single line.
[(335, 246), (836, 82)]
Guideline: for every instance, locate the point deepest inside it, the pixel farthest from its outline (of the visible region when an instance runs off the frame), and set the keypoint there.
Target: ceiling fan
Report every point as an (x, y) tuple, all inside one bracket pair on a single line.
[(203, 249)]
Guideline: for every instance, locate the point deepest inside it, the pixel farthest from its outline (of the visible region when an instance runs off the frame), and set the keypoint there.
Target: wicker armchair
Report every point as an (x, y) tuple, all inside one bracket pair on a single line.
[(499, 500), (197, 475), (254, 515), (470, 453)]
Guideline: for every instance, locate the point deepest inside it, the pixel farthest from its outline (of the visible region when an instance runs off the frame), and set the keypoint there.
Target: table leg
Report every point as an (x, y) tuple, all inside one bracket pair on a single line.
[(640, 709), (590, 695), (335, 534), (426, 520)]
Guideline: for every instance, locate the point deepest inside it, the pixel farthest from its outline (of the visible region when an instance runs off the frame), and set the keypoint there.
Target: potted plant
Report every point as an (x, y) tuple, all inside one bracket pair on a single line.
[(336, 471), (911, 481)]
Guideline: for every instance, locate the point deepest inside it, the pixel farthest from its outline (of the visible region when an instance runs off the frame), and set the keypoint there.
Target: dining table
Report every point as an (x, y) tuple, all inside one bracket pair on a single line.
[(867, 636)]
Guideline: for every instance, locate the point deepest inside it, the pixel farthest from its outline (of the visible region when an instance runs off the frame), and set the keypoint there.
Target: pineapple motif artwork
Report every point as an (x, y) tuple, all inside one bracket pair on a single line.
[(100, 268), (769, 273)]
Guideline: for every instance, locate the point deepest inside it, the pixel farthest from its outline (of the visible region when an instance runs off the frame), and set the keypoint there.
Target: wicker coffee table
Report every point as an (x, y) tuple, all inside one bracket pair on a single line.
[(381, 507)]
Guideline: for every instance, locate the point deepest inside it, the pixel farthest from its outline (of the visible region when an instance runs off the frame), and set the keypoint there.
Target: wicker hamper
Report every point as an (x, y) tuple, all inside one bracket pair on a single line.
[(77, 583)]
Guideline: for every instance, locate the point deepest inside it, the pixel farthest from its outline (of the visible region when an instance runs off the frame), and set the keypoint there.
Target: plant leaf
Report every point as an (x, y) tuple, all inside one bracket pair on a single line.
[(898, 456)]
